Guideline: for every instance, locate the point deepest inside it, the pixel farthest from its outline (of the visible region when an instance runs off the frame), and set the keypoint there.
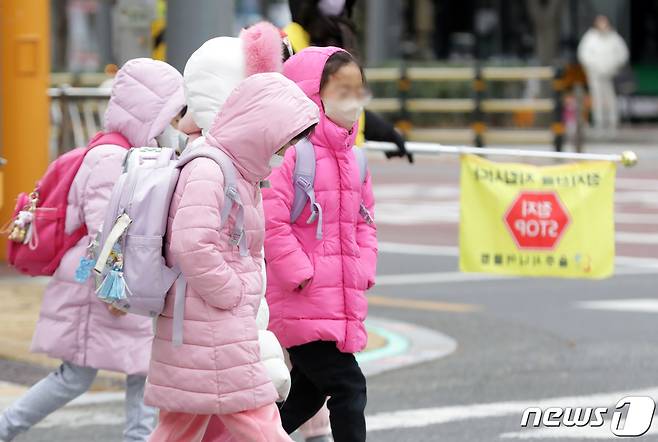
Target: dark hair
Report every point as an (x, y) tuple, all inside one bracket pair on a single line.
[(336, 61), (324, 30), (306, 132), (182, 112), (285, 52)]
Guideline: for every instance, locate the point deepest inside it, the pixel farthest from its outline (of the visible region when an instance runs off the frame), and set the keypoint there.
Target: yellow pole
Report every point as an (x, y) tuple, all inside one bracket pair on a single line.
[(24, 118)]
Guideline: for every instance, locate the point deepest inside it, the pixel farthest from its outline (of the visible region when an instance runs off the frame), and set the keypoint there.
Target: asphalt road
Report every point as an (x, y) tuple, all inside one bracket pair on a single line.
[(521, 342)]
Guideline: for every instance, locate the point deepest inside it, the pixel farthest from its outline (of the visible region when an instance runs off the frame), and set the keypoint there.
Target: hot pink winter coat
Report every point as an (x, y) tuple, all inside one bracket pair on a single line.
[(217, 369), (342, 265), (74, 325)]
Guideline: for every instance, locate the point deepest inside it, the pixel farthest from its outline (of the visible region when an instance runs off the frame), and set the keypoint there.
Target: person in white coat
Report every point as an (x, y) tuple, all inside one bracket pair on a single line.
[(603, 52)]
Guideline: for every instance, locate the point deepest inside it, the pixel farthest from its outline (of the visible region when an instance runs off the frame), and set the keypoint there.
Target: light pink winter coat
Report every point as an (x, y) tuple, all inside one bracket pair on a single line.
[(217, 369), (74, 325), (342, 265)]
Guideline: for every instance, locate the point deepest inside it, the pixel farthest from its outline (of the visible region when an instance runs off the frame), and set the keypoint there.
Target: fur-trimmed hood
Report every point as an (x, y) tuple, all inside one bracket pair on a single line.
[(221, 63)]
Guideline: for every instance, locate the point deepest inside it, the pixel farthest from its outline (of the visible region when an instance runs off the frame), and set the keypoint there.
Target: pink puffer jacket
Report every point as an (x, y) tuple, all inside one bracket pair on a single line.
[(342, 265), (217, 369), (74, 325)]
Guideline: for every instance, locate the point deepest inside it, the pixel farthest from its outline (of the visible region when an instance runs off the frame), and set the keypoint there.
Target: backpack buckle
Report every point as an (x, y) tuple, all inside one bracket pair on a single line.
[(304, 183), (232, 193)]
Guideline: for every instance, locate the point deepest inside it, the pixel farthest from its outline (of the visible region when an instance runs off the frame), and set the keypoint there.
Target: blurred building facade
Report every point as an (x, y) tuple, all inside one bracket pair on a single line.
[(88, 34)]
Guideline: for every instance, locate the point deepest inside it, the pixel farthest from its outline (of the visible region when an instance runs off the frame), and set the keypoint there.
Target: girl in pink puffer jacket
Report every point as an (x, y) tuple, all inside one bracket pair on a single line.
[(147, 95), (316, 287), (217, 371)]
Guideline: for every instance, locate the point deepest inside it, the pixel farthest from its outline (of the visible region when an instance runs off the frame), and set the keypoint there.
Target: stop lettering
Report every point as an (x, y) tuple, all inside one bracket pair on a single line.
[(537, 220)]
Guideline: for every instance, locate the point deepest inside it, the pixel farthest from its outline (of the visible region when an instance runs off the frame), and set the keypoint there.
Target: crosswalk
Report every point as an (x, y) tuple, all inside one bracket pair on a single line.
[(405, 205), (642, 305), (511, 412)]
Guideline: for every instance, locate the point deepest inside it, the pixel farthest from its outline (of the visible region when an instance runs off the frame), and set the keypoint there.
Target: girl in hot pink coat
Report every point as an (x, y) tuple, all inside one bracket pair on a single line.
[(316, 287), (74, 325), (217, 370)]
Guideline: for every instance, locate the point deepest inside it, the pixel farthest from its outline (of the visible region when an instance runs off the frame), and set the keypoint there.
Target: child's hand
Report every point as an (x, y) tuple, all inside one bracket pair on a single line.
[(303, 285), (115, 311)]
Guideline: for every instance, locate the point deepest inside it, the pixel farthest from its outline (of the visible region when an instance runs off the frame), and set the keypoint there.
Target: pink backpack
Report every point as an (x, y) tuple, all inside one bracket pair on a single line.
[(37, 240)]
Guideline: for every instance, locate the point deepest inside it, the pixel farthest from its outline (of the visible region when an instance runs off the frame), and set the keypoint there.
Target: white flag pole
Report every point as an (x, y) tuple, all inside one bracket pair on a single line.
[(627, 158)]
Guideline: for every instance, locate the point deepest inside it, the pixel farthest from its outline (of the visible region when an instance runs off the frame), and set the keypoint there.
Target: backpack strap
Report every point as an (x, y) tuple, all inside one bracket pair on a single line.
[(362, 161), (303, 180), (109, 138), (179, 309), (237, 236)]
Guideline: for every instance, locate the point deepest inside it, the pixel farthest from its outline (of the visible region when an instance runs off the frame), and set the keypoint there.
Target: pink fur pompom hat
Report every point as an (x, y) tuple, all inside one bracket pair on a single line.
[(220, 64)]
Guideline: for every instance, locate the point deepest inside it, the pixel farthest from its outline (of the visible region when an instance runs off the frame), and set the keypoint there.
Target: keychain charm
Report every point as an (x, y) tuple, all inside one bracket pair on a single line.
[(22, 228), (87, 263), (113, 288)]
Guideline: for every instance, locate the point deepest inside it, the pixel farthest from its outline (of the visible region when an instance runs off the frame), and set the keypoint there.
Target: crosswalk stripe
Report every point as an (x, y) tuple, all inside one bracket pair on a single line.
[(424, 417), (417, 249), (636, 238), (432, 278), (646, 305)]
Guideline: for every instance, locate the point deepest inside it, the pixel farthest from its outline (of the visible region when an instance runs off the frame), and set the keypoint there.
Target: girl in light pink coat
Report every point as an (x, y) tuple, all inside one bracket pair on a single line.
[(74, 325), (217, 370), (316, 287)]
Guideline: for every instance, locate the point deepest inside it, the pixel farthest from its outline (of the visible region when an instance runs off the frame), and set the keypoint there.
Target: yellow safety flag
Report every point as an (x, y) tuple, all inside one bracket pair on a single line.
[(158, 28), (519, 219)]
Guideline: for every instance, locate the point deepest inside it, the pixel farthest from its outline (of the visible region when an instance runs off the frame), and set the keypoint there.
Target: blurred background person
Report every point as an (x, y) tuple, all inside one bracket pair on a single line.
[(603, 53)]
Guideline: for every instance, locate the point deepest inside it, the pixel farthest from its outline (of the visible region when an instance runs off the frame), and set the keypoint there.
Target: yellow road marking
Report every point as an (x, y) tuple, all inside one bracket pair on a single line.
[(416, 304)]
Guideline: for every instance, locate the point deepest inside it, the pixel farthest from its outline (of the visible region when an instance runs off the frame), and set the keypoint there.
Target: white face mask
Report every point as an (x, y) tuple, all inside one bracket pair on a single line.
[(343, 112), (276, 161), (171, 137)]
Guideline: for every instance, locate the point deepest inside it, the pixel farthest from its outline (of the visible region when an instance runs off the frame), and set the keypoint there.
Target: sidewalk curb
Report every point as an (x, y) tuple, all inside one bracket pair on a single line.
[(407, 344)]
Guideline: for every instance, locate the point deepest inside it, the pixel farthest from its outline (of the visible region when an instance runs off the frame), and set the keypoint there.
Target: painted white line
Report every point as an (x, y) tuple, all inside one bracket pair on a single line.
[(636, 218), (417, 249), (429, 213), (430, 278), (641, 305), (419, 213), (632, 261), (636, 238), (87, 399), (646, 198), (99, 398), (425, 250), (70, 417), (415, 191), (623, 271), (424, 417), (438, 190), (637, 183), (563, 433), (448, 277), (20, 279)]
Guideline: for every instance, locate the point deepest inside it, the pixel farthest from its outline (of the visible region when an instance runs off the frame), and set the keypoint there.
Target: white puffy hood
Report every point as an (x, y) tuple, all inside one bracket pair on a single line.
[(210, 75), (221, 63)]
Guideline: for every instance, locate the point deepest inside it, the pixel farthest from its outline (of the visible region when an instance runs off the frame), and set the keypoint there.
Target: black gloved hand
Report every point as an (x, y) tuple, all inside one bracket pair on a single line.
[(378, 129), (402, 150)]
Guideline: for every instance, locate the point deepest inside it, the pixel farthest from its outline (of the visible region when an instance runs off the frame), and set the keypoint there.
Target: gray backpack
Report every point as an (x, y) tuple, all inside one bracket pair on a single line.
[(304, 179), (130, 265)]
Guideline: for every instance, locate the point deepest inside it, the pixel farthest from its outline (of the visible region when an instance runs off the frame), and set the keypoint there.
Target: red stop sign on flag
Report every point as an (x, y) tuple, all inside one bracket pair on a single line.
[(537, 220)]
